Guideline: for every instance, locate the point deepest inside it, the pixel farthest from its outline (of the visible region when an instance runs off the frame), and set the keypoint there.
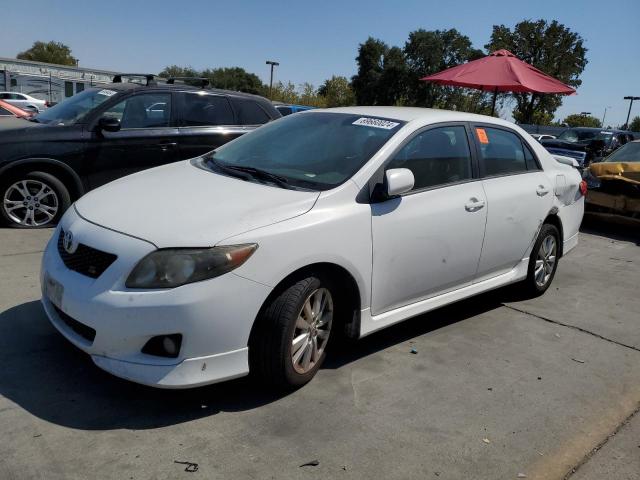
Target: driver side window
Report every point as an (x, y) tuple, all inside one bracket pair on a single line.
[(436, 157), (149, 110)]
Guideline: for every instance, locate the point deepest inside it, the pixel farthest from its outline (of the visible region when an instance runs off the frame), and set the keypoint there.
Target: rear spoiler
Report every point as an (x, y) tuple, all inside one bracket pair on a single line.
[(572, 162)]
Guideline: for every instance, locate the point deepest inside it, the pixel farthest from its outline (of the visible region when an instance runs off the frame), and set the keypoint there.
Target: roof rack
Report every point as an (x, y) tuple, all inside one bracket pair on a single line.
[(201, 82), (148, 76)]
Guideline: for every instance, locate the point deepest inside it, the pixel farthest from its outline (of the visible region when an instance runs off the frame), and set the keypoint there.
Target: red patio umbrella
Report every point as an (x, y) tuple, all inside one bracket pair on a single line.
[(500, 71)]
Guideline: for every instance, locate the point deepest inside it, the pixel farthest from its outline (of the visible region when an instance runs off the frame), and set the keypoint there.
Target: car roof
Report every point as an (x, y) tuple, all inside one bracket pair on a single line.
[(127, 86), (417, 114), (595, 129)]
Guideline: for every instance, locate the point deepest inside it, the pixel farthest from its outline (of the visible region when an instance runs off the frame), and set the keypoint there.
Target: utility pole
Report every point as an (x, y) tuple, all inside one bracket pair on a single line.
[(605, 114), (626, 125), (273, 64)]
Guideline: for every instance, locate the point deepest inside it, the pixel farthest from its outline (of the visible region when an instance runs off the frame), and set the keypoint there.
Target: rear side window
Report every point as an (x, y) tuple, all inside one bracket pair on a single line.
[(250, 113), (501, 151), (284, 111), (5, 113), (436, 157), (206, 110)]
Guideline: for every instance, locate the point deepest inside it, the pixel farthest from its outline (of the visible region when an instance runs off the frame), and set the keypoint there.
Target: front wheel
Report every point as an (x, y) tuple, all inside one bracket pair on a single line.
[(33, 200), (543, 261), (293, 333)]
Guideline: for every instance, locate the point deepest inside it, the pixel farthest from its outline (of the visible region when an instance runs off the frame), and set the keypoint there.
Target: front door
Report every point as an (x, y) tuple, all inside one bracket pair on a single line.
[(146, 139), (519, 197), (428, 241)]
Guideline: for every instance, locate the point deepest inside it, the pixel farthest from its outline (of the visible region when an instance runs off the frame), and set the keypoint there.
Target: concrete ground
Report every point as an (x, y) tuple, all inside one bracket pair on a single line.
[(499, 388)]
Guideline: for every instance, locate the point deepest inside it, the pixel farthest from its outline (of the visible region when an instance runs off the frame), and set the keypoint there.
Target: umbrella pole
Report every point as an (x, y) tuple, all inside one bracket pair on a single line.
[(493, 104)]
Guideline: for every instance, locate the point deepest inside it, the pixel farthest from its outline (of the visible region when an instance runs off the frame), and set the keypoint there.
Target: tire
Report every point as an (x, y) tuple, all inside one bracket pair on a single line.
[(275, 359), (19, 196), (544, 249)]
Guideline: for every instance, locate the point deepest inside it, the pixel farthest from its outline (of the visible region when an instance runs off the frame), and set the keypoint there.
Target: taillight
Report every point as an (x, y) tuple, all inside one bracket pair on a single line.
[(583, 187)]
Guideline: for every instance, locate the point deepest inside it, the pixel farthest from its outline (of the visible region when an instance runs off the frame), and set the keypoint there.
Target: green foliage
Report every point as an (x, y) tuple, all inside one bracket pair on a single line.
[(337, 92), (234, 78), (634, 126), (550, 47), (429, 52), (50, 52), (391, 75), (370, 61), (577, 120)]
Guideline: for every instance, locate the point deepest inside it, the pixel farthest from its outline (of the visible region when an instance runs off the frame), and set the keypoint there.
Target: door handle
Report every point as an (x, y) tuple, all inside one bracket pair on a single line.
[(474, 205), (167, 146), (542, 190)]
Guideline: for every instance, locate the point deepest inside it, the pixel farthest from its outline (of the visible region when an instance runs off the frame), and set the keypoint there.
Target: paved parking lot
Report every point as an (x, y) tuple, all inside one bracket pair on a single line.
[(499, 388)]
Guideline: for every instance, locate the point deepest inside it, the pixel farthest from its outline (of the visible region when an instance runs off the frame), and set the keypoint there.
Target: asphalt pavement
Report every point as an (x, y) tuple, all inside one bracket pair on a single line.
[(500, 387)]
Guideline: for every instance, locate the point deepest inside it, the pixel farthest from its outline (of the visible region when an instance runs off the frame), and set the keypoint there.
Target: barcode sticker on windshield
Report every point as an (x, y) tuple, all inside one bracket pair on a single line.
[(106, 93), (376, 123)]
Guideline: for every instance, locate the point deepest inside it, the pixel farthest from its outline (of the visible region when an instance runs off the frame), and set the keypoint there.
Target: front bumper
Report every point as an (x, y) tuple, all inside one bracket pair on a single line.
[(214, 316)]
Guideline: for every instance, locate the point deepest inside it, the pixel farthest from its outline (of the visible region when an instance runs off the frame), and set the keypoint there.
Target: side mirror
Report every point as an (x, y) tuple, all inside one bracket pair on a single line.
[(109, 124), (398, 181)]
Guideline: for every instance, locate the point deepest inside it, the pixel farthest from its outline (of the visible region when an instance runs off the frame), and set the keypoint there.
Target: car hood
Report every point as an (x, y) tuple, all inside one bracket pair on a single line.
[(16, 125), (556, 143), (181, 205)]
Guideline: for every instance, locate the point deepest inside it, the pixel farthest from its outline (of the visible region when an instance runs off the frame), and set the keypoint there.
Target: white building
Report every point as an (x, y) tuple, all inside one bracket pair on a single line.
[(47, 81)]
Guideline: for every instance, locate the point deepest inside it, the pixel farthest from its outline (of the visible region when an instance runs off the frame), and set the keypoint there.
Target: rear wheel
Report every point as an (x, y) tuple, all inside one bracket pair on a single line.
[(543, 261), (293, 333), (33, 200)]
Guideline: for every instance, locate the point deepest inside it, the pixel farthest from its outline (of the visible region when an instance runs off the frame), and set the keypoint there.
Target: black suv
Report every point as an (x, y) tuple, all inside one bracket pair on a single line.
[(105, 133)]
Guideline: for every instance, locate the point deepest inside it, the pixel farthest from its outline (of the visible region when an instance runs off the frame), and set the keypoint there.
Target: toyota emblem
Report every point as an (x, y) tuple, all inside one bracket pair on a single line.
[(67, 242)]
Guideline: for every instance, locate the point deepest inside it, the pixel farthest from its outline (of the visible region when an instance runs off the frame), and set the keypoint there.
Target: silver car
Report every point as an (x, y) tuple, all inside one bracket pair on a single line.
[(24, 101)]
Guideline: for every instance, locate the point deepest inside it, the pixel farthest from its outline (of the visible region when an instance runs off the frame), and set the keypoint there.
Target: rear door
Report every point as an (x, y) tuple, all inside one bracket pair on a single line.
[(147, 138), (519, 197), (205, 122)]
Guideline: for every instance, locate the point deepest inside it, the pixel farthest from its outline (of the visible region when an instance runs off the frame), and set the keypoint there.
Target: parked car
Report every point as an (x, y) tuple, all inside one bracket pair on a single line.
[(326, 223), (614, 183), (587, 145), (8, 110), (289, 109), (24, 101), (543, 136), (104, 133)]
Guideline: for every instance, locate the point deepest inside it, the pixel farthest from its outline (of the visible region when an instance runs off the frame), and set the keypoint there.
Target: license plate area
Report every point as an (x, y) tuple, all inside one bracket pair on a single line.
[(53, 290)]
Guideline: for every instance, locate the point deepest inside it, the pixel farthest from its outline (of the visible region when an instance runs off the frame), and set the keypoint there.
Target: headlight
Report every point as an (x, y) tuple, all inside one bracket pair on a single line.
[(173, 267)]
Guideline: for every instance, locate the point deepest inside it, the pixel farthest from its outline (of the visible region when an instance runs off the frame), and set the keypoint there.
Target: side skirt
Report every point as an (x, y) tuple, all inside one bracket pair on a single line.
[(371, 323)]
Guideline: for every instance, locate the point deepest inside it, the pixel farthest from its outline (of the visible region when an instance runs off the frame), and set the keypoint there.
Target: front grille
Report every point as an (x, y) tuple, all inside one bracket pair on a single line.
[(85, 260), (81, 329)]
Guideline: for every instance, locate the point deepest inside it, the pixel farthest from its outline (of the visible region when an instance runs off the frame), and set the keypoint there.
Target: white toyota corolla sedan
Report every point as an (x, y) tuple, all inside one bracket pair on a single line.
[(254, 257)]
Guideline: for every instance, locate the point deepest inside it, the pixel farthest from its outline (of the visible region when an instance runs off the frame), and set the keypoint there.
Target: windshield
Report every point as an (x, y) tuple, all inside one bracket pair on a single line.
[(74, 108), (574, 136), (317, 150), (627, 153)]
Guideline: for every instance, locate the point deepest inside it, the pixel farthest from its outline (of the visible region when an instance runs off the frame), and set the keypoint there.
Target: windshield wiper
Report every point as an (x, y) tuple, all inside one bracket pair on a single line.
[(253, 172)]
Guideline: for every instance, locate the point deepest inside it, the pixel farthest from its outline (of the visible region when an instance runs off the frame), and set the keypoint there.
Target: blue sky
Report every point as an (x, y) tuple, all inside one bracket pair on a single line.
[(314, 40)]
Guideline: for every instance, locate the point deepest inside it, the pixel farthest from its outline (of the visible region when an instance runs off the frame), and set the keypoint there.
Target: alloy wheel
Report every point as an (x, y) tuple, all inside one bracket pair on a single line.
[(31, 203), (546, 260), (312, 329)]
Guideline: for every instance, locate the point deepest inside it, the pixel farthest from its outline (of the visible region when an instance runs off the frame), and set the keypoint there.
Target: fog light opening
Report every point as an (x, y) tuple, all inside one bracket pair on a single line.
[(167, 346)]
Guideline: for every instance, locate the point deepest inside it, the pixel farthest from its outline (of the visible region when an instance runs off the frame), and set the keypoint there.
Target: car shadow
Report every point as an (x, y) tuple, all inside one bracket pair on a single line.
[(48, 377), (613, 228)]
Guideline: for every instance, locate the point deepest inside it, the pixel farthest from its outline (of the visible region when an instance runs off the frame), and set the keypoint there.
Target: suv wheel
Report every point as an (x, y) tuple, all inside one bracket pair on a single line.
[(543, 261), (33, 200), (293, 334)]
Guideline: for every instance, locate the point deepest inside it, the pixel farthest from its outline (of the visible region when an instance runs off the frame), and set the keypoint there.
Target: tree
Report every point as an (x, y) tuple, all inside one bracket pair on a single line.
[(429, 52), (337, 92), (393, 80), (577, 120), (370, 61), (233, 78), (550, 47), (176, 71), (50, 52), (634, 126)]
